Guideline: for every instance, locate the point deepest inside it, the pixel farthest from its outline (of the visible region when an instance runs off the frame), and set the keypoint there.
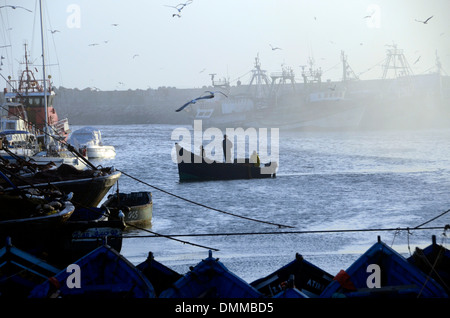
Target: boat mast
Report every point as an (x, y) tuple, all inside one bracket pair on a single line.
[(45, 82)]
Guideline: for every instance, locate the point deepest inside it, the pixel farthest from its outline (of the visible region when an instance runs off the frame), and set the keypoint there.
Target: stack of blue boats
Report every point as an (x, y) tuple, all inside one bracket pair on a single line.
[(380, 272)]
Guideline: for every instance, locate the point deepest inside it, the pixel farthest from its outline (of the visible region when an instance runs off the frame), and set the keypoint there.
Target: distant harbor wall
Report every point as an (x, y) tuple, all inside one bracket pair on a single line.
[(157, 106), (151, 106)]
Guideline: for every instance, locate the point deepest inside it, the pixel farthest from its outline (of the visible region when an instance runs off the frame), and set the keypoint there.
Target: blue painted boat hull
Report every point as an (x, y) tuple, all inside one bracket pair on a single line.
[(210, 279), (434, 260), (159, 275), (308, 278), (104, 273), (20, 272), (397, 277)]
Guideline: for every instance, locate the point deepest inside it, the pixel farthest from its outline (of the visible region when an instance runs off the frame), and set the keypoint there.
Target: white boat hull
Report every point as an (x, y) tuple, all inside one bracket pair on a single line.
[(101, 152), (42, 158)]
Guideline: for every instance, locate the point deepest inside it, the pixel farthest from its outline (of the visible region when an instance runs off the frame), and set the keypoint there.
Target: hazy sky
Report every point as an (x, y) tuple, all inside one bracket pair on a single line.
[(150, 48)]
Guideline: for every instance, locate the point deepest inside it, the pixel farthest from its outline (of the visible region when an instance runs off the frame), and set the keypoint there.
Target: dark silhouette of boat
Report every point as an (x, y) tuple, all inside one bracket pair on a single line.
[(198, 169), (20, 271), (104, 273), (137, 207), (88, 186)]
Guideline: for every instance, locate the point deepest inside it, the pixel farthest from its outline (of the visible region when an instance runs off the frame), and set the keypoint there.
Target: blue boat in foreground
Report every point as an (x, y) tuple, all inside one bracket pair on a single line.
[(383, 273), (160, 276), (103, 273), (210, 279), (307, 278), (84, 231), (434, 260), (20, 272)]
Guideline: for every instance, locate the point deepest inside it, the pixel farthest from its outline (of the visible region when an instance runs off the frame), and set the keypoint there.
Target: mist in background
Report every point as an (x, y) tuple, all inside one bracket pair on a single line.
[(121, 45)]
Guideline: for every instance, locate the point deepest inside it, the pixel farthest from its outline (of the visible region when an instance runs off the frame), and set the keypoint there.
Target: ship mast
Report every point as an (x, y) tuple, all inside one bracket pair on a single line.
[(44, 77), (347, 72), (396, 61)]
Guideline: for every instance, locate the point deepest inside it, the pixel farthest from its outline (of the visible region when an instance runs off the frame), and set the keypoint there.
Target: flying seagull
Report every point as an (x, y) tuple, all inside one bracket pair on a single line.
[(180, 6), (417, 60), (54, 31), (15, 7), (274, 48), (176, 15), (211, 95), (93, 44), (426, 21), (176, 7)]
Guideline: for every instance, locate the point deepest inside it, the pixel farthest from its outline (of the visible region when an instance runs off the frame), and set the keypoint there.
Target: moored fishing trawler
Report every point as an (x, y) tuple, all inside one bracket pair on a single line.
[(30, 101), (34, 98), (398, 99)]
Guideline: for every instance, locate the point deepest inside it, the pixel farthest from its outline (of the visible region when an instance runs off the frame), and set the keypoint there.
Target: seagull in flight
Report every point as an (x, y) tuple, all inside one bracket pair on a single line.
[(426, 21), (417, 60), (180, 6), (93, 44), (15, 7), (211, 95), (274, 48), (54, 31)]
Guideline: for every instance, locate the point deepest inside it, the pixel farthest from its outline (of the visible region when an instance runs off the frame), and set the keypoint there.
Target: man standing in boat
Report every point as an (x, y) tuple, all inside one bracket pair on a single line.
[(227, 145), (255, 159)]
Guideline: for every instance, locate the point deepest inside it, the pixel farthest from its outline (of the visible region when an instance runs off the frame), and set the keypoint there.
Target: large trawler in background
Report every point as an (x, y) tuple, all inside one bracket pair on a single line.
[(399, 99), (30, 100), (25, 97)]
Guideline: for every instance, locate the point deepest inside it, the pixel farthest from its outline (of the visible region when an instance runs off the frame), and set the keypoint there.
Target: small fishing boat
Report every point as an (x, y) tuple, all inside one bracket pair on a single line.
[(103, 273), (30, 217), (158, 274), (90, 139), (383, 273), (89, 186), (137, 207), (84, 231), (309, 279), (198, 169), (20, 271), (24, 210), (16, 139), (210, 279), (434, 260)]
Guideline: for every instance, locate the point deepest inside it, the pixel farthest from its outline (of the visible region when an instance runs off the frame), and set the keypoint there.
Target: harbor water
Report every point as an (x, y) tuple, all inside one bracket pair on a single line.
[(337, 192)]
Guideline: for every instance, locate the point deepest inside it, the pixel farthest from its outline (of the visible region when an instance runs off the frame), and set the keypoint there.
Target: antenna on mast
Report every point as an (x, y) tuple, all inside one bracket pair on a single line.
[(44, 77)]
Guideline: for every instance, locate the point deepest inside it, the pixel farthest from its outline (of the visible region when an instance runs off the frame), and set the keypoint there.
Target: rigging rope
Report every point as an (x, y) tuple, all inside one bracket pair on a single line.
[(436, 217), (154, 234), (290, 232), (205, 206)]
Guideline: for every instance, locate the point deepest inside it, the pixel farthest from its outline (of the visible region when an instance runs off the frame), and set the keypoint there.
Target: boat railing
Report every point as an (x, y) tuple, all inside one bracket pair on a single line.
[(29, 86)]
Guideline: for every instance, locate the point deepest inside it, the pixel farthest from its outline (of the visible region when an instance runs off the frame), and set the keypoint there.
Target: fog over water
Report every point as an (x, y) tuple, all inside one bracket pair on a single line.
[(120, 45)]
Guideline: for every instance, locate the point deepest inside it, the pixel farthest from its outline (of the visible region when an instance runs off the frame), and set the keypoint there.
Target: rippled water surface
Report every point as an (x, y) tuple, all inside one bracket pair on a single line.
[(326, 181)]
